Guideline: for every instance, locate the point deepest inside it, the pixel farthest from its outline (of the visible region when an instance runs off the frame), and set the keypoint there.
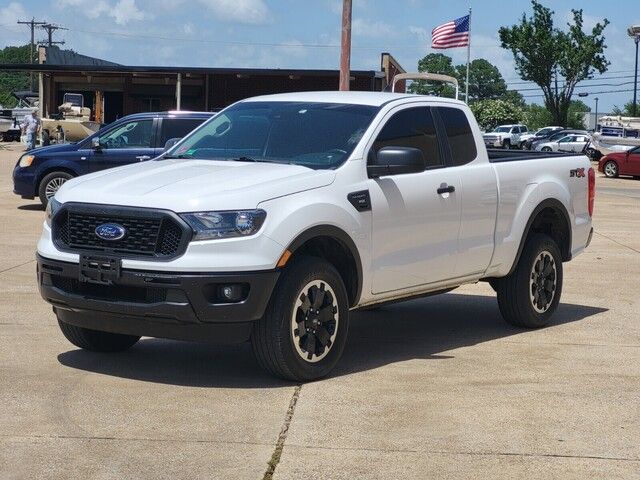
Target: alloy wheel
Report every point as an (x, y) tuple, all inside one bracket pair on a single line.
[(542, 283), (314, 322), (53, 186)]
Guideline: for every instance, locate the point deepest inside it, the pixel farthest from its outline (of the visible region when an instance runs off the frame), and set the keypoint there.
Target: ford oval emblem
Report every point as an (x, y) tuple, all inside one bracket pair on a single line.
[(110, 231)]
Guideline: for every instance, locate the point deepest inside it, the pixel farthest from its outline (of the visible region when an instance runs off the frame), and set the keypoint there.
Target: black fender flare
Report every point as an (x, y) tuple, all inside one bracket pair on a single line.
[(557, 206), (339, 235)]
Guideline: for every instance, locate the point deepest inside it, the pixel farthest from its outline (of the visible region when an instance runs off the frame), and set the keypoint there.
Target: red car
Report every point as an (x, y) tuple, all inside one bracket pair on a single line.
[(621, 163)]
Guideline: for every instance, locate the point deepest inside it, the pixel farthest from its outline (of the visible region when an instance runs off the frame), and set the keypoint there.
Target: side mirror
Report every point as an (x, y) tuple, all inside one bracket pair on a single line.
[(171, 142), (95, 143), (395, 161)]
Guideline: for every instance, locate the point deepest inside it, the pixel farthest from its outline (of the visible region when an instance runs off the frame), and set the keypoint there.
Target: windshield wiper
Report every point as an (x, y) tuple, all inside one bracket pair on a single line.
[(250, 159), (173, 156)]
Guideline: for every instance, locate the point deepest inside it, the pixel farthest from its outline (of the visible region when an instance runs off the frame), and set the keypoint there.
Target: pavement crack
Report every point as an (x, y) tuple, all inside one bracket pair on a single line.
[(608, 238), (17, 266), (277, 452)]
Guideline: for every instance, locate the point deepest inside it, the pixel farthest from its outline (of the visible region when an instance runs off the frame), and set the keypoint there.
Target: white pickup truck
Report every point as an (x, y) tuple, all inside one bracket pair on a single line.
[(507, 136), (283, 213)]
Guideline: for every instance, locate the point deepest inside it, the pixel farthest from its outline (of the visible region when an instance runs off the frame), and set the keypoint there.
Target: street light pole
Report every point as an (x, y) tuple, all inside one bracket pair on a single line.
[(345, 50), (635, 78), (634, 32), (595, 128)]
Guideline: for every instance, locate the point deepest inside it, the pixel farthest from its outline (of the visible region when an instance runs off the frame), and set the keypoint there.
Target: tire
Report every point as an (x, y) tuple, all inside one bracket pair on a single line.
[(50, 184), (546, 149), (506, 144), (610, 169), (518, 291), (276, 341), (95, 340)]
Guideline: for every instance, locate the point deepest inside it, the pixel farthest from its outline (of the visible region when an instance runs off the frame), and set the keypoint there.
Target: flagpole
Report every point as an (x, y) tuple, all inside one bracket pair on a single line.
[(466, 87)]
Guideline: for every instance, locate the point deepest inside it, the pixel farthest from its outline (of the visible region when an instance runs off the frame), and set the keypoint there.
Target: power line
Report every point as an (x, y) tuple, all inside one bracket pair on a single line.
[(603, 92), (32, 25)]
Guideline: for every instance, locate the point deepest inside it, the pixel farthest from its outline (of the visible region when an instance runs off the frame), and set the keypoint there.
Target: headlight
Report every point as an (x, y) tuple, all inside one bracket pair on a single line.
[(52, 207), (227, 224), (26, 161)]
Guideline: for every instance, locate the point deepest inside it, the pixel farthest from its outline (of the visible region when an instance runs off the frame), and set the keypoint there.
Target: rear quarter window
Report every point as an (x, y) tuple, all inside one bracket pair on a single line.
[(462, 144), (178, 128)]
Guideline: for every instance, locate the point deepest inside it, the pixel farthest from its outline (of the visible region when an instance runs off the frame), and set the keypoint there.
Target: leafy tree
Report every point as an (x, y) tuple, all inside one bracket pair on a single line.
[(575, 117), (434, 63), (515, 97), (555, 60), (485, 80), (537, 116), (490, 113), (12, 81), (626, 110)]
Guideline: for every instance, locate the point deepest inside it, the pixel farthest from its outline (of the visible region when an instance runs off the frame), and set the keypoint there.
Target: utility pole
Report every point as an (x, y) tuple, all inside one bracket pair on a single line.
[(50, 28), (595, 129), (32, 24), (634, 32), (345, 46)]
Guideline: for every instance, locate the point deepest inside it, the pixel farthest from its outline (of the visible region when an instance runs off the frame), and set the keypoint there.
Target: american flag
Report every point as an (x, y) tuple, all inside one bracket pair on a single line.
[(451, 34)]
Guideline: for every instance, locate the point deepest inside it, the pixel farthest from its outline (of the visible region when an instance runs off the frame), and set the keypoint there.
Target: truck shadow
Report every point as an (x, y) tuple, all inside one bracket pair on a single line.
[(427, 328)]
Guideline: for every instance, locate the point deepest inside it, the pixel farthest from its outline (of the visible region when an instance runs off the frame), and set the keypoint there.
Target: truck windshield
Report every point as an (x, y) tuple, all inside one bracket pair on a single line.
[(315, 135), (502, 129)]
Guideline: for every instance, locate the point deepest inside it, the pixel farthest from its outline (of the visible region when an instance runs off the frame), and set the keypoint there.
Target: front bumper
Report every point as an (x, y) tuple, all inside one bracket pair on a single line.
[(182, 306), (24, 182), (493, 143)]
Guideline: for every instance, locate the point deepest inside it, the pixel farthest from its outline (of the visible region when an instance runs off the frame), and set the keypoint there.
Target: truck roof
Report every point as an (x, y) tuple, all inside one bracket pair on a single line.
[(375, 99)]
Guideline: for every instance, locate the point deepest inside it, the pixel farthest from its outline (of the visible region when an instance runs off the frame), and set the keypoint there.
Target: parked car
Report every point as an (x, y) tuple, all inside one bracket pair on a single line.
[(554, 137), (540, 135), (621, 163), (285, 212), (568, 143), (131, 139), (506, 136)]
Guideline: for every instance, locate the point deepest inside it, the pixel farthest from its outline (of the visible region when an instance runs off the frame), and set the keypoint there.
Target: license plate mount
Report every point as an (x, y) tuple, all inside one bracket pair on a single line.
[(99, 269)]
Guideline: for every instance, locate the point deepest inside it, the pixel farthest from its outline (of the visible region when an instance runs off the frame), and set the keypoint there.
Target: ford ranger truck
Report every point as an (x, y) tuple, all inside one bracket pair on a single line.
[(279, 216)]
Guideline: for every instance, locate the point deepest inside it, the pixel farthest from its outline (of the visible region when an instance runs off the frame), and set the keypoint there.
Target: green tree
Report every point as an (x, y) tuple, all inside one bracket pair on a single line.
[(12, 81), (434, 63), (485, 80), (575, 116), (555, 60), (490, 113), (626, 110), (537, 116), (515, 97)]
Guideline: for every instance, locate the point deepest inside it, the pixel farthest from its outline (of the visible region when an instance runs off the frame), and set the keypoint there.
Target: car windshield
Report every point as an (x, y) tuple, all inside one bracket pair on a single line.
[(502, 129), (315, 135), (557, 136)]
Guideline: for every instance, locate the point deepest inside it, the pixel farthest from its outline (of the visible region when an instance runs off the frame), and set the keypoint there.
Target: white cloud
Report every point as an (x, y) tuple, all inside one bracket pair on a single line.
[(239, 11), (369, 28), (125, 11)]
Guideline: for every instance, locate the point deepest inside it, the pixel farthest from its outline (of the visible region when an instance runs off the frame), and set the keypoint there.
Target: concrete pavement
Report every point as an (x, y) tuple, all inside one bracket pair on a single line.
[(433, 388)]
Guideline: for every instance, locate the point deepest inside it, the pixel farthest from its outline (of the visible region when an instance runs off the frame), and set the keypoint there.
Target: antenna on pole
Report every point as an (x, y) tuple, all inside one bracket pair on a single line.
[(50, 28), (32, 24)]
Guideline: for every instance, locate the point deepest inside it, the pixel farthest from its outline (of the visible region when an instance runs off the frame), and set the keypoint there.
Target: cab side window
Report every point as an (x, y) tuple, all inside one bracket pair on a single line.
[(412, 127), (177, 128), (461, 141), (135, 134)]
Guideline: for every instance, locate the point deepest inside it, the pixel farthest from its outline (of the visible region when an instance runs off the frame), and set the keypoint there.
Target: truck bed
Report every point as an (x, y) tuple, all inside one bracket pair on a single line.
[(497, 155)]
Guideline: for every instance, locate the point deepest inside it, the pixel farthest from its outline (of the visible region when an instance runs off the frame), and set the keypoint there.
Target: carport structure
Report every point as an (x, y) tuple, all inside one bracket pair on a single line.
[(132, 89)]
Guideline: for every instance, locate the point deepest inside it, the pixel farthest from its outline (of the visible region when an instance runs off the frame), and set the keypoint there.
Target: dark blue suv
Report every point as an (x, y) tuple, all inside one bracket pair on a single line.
[(134, 138)]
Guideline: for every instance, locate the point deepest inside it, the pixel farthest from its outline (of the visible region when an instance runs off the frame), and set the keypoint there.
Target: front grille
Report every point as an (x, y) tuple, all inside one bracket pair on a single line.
[(149, 233)]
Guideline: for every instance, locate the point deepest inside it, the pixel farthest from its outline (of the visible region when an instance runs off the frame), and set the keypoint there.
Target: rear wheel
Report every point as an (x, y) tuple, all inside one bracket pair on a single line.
[(95, 340), (546, 149), (304, 329), (50, 184), (611, 169), (530, 295)]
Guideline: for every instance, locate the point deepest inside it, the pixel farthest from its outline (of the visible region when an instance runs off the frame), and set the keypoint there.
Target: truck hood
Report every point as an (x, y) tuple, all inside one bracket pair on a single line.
[(193, 185)]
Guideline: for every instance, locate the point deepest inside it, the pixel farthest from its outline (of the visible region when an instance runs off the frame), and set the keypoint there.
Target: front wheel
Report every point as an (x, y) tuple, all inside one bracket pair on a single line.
[(95, 340), (304, 329), (546, 149), (530, 295), (611, 169), (50, 184), (506, 144)]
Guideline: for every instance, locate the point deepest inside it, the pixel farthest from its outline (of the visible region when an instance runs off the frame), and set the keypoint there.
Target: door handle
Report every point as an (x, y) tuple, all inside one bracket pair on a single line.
[(447, 189), (142, 158)]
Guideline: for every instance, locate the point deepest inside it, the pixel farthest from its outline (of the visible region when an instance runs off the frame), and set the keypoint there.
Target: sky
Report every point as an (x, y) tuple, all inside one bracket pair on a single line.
[(306, 33)]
